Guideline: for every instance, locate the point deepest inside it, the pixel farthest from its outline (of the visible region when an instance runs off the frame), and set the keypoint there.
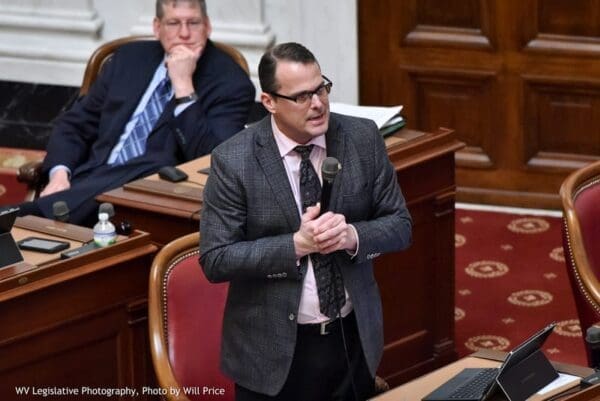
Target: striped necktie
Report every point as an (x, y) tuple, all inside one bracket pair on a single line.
[(135, 143)]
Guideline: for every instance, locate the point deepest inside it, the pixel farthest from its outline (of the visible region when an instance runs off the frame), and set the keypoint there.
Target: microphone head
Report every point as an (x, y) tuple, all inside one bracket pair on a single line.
[(60, 211), (107, 208), (329, 169)]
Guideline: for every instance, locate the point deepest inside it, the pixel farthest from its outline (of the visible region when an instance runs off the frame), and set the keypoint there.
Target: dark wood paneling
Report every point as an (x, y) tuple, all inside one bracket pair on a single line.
[(419, 320), (79, 322), (517, 80), (441, 99), (569, 18), (466, 13), (557, 26), (558, 116), (468, 25)]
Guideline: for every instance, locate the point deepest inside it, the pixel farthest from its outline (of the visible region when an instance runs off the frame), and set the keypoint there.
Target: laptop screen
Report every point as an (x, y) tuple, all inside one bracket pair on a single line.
[(9, 253), (7, 219), (527, 347), (479, 384), (521, 352)]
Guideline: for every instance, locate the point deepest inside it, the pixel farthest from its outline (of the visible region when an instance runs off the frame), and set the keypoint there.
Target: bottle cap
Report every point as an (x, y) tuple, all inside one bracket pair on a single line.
[(592, 334)]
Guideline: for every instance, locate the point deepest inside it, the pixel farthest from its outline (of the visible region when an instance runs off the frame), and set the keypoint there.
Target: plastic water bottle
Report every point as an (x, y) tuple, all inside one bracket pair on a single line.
[(105, 233)]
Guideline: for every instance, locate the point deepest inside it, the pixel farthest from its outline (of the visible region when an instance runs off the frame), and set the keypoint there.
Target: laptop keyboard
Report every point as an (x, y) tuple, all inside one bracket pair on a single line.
[(475, 387)]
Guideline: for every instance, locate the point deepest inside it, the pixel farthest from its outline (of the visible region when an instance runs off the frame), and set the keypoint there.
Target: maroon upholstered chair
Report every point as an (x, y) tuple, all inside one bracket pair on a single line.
[(580, 194), (185, 319)]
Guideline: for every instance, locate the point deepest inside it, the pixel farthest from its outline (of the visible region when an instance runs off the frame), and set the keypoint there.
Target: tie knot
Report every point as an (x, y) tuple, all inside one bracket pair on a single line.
[(304, 151)]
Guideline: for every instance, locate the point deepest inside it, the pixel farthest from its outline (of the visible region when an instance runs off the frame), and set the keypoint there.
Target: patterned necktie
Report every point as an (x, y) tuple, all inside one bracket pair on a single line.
[(330, 286), (135, 143)]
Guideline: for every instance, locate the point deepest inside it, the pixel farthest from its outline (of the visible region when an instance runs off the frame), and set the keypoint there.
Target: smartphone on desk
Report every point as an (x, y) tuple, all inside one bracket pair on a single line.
[(44, 245), (85, 248)]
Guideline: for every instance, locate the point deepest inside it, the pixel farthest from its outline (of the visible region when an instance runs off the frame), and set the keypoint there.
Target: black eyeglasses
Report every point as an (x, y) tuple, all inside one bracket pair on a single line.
[(303, 97)]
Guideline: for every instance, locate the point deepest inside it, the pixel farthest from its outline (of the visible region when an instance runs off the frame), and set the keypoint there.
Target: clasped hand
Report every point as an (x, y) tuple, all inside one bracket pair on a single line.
[(323, 234), (59, 181), (181, 64)]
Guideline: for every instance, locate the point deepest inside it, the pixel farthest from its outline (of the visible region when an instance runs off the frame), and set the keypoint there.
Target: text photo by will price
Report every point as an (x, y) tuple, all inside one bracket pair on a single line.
[(115, 392)]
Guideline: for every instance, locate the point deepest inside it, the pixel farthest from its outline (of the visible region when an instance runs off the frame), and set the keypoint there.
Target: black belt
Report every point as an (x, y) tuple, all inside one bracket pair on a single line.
[(328, 326)]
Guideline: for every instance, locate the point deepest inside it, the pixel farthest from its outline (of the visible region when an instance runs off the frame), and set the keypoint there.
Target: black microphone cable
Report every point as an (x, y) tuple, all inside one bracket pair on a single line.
[(329, 170), (338, 306)]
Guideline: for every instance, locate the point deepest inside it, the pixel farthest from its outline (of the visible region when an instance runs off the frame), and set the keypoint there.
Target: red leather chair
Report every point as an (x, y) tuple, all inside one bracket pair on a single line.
[(185, 320), (580, 194)]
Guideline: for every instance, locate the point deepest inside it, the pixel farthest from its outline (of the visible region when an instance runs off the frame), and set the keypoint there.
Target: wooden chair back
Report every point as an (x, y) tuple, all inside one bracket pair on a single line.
[(580, 194)]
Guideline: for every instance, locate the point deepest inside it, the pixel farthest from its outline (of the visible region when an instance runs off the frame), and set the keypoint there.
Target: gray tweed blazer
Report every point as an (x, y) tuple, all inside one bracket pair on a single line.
[(248, 219)]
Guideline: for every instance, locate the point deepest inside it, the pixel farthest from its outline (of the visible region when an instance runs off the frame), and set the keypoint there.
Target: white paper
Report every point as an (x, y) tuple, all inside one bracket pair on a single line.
[(562, 380), (382, 116)]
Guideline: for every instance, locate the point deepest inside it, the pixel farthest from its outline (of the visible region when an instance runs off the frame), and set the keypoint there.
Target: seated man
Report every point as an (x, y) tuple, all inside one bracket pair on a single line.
[(156, 103)]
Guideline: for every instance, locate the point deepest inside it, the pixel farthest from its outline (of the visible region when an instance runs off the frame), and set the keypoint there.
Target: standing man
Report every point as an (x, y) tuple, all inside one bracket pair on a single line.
[(156, 103), (303, 319)]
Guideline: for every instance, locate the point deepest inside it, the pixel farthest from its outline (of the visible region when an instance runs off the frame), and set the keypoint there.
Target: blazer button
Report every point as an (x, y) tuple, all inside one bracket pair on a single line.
[(284, 274), (291, 316), (269, 276)]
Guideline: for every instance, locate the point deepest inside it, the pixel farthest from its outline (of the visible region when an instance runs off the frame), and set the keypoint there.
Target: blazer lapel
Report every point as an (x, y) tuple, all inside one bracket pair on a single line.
[(267, 156), (335, 148), (136, 81)]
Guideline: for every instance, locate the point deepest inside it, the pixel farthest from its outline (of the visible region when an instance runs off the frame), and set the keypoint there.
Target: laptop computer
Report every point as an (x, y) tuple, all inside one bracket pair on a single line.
[(480, 383), (9, 253)]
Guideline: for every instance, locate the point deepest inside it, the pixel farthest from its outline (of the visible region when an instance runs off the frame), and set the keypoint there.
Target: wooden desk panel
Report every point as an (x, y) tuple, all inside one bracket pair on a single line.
[(417, 286), (78, 322)]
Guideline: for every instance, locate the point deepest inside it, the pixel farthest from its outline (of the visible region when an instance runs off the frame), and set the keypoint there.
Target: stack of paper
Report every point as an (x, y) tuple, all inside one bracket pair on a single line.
[(387, 119), (560, 384)]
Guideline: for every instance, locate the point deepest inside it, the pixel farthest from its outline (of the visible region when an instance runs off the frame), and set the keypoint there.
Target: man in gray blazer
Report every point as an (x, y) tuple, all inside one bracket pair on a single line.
[(279, 340)]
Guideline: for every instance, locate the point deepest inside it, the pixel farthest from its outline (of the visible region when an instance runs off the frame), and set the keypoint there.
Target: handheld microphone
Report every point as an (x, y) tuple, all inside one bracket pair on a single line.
[(329, 169), (107, 208), (60, 211), (122, 227), (592, 339)]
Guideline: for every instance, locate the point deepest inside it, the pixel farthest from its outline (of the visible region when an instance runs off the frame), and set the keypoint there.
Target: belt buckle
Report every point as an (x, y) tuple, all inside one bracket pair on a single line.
[(323, 331)]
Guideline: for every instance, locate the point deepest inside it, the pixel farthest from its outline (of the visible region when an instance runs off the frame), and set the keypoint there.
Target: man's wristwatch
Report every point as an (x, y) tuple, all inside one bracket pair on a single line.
[(189, 98)]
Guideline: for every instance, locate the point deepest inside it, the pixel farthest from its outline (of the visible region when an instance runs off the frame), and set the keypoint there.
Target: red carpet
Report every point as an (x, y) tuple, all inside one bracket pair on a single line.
[(511, 281)]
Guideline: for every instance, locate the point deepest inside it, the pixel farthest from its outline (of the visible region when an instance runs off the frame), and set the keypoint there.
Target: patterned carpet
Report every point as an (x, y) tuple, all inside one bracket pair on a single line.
[(511, 281)]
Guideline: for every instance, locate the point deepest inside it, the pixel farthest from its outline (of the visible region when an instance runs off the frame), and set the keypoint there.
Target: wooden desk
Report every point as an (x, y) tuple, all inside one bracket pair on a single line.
[(419, 388), (417, 286), (77, 322)]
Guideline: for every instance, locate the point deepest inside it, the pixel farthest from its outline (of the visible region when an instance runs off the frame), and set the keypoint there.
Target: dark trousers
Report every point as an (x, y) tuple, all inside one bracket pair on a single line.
[(320, 370), (27, 208)]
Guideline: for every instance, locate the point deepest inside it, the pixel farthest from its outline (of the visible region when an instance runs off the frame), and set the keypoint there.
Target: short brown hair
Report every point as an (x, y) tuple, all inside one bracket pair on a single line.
[(160, 12), (282, 52)]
